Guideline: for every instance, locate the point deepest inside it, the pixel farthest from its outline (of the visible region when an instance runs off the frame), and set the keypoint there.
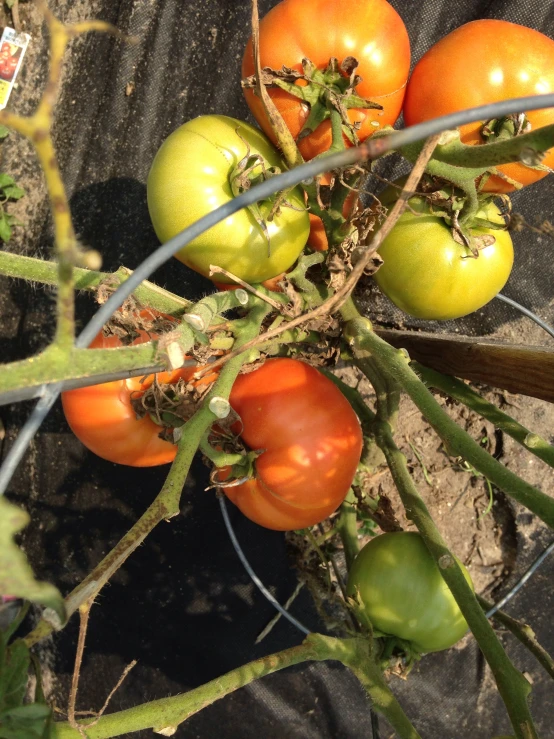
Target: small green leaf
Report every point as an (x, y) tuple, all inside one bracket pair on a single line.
[(14, 672), (31, 711), (13, 192), (5, 235), (16, 576), (25, 722), (4, 132), (6, 180)]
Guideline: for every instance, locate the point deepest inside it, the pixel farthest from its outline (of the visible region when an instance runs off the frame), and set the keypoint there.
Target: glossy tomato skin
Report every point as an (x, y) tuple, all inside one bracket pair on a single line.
[(312, 441), (190, 177), (429, 275), (482, 62), (369, 30), (403, 592), (103, 419)]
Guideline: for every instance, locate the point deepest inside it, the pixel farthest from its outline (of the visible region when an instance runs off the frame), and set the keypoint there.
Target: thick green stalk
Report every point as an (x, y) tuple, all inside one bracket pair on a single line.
[(489, 155), (347, 529), (168, 713), (39, 270), (465, 394), (513, 687), (371, 351), (167, 501), (54, 365)]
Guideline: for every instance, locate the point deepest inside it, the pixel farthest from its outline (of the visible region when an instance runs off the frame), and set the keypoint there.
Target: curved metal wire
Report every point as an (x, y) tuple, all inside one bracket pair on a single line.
[(255, 579), (521, 582), (271, 186), (549, 330)]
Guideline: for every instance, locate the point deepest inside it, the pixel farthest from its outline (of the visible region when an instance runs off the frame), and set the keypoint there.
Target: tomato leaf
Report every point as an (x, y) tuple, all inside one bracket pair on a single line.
[(13, 192), (16, 576), (14, 669), (25, 722), (5, 228), (6, 180)]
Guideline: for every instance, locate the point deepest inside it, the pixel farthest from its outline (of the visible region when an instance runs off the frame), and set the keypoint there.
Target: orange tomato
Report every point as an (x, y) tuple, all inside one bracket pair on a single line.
[(311, 441), (369, 30), (482, 62), (103, 419)]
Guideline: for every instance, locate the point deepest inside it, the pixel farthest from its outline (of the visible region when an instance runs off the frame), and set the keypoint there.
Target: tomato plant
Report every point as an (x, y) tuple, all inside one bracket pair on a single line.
[(371, 32), (317, 240), (428, 274), (204, 164), (403, 594), (482, 62), (102, 416), (311, 441)]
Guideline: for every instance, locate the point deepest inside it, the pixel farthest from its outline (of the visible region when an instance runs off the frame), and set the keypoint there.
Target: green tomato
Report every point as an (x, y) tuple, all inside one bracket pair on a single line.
[(196, 170), (429, 275), (403, 593)]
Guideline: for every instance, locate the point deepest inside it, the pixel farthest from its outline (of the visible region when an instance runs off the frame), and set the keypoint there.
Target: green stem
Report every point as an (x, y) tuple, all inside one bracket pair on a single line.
[(456, 154), (524, 634), (498, 152), (220, 459), (39, 270), (347, 529), (168, 713), (394, 363), (465, 394), (337, 142), (167, 503), (513, 687), (54, 365)]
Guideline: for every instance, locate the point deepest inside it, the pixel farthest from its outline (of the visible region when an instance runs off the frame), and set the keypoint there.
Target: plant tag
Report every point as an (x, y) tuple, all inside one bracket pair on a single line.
[(12, 48)]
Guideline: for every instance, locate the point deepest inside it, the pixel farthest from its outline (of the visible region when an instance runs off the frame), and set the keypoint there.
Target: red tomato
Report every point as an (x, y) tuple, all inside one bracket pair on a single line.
[(103, 419), (483, 62), (311, 439), (369, 30)]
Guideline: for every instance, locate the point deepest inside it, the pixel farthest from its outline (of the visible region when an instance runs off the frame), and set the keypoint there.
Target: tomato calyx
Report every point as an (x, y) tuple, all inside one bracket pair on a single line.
[(463, 217), (250, 171), (169, 405), (323, 90), (507, 127)]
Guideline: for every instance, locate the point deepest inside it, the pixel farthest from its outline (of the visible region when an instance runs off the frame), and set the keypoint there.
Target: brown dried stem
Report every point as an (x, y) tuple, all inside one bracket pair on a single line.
[(287, 144)]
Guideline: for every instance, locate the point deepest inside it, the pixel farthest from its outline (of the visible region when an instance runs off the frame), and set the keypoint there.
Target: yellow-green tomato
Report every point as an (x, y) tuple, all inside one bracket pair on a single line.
[(427, 274), (403, 593), (198, 168)]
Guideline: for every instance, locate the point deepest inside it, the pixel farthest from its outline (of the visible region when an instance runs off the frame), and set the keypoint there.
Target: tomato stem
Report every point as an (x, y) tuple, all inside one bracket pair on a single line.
[(347, 529), (167, 502), (464, 394), (168, 713), (375, 357)]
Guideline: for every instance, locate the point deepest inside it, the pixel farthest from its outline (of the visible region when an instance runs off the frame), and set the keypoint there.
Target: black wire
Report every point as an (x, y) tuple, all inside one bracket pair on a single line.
[(374, 724)]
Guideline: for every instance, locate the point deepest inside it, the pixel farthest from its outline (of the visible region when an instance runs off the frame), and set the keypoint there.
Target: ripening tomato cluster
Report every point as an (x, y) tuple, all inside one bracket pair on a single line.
[(306, 434), (427, 272)]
